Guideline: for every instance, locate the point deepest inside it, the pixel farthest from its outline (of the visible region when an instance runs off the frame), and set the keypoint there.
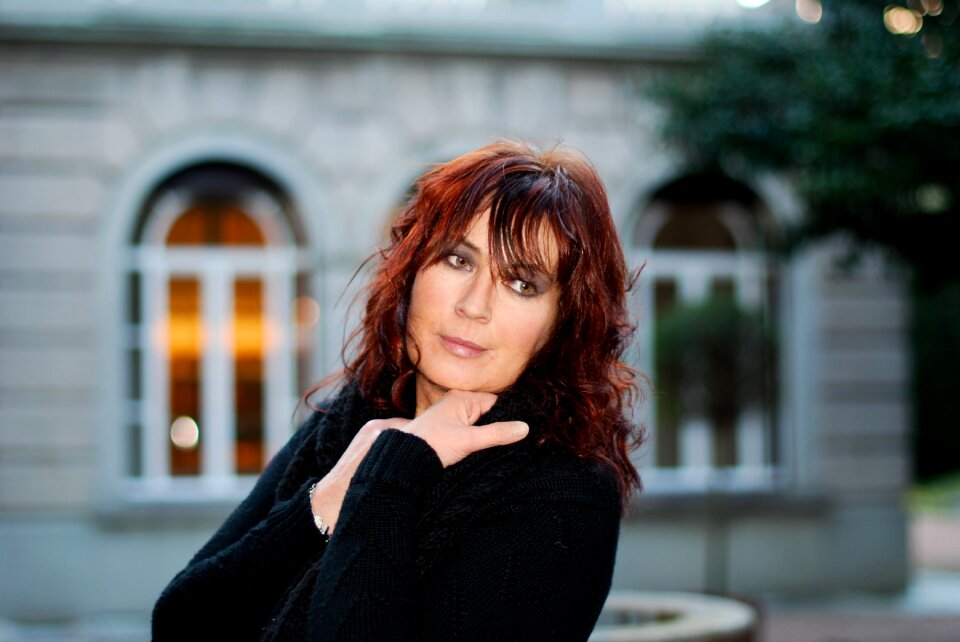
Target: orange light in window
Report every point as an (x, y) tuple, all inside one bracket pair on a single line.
[(184, 331), (248, 337), (218, 224), (185, 336), (248, 321)]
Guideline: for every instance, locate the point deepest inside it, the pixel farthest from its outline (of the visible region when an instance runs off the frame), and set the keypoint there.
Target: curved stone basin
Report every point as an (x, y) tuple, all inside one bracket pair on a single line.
[(641, 616)]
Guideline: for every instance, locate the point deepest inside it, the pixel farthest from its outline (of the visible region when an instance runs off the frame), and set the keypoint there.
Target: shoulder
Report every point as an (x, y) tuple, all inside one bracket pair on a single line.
[(540, 467), (331, 416), (558, 474), (554, 502)]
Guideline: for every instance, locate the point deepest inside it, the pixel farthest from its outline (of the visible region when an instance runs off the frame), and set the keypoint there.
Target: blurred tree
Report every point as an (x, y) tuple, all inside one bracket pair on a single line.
[(935, 339), (861, 112), (862, 121)]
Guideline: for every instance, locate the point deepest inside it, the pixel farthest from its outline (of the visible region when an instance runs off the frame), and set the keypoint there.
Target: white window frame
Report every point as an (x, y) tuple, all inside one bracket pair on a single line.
[(692, 272), (216, 268)]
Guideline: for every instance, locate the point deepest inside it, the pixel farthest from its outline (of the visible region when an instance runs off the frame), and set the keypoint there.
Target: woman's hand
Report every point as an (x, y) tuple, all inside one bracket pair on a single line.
[(448, 426), (328, 496)]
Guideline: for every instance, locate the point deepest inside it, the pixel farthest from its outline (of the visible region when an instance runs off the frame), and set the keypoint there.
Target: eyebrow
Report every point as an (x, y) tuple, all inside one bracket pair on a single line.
[(470, 245), (523, 267)]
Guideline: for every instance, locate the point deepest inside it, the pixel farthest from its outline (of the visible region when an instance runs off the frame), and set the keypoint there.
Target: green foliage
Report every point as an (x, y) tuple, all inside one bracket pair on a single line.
[(941, 495), (864, 123), (714, 358)]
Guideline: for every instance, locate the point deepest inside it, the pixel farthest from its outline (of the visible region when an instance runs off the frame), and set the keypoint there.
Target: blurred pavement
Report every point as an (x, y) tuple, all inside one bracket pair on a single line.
[(929, 611)]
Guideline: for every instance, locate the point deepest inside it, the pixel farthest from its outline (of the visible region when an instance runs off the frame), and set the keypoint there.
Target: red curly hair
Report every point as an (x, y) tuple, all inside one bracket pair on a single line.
[(580, 367)]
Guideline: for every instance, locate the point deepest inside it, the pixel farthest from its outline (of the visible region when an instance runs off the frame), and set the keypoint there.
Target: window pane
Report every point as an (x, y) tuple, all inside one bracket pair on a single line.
[(189, 229), (723, 287), (235, 227), (134, 450), (693, 227), (667, 391), (133, 298), (248, 366), (725, 421), (215, 223), (664, 296), (186, 348), (711, 373), (135, 374)]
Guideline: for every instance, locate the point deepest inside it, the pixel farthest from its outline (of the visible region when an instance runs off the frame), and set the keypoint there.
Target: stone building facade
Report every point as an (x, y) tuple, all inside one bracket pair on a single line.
[(304, 124)]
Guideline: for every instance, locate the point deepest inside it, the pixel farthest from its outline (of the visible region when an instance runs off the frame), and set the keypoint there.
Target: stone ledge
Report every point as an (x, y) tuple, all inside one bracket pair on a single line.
[(728, 505)]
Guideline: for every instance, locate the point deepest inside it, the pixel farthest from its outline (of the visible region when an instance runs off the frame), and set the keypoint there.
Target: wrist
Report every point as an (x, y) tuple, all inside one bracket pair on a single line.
[(324, 527)]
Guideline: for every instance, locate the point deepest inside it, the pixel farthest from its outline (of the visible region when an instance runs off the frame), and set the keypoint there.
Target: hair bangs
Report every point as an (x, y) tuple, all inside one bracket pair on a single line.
[(526, 209)]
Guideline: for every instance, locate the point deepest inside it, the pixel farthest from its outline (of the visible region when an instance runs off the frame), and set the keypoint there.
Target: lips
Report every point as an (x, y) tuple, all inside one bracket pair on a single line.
[(461, 347)]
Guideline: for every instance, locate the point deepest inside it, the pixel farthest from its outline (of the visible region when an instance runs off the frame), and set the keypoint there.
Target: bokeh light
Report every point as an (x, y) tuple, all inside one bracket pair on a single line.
[(306, 312), (810, 10), (902, 21), (932, 7), (933, 198), (185, 433), (752, 4)]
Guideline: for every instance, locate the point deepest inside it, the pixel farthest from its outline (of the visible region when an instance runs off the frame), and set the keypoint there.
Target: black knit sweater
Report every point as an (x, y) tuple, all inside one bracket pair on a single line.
[(512, 543)]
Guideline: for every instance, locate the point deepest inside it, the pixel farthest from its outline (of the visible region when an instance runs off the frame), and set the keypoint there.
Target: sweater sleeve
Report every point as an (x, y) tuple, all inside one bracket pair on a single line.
[(536, 566), (228, 589), (364, 587)]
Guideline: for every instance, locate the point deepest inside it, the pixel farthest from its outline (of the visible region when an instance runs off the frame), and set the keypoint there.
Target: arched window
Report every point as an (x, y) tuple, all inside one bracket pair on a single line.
[(707, 300), (219, 329)]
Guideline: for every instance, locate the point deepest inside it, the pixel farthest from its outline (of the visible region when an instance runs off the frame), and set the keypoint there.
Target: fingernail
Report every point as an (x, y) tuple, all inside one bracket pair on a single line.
[(521, 429)]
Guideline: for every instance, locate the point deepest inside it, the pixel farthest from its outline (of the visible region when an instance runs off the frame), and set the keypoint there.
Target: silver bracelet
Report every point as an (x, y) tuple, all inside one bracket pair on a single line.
[(317, 520)]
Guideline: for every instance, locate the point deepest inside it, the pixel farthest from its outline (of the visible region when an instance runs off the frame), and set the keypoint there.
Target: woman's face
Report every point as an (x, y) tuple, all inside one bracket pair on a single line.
[(475, 330)]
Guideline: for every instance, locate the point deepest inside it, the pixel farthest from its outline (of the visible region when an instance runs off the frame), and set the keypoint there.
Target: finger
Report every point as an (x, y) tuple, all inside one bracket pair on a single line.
[(369, 433), (379, 424), (363, 440), (376, 426), (498, 434), (466, 407), (398, 423)]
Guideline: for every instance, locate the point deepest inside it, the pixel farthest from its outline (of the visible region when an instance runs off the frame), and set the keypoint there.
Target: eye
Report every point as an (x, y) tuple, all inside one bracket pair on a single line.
[(523, 288), (457, 261)]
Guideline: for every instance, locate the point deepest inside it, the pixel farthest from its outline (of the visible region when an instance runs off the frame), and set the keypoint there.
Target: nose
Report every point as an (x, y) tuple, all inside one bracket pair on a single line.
[(476, 299)]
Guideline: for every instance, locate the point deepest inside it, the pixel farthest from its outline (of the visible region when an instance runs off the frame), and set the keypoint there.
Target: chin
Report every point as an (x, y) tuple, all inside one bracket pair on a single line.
[(456, 379), (458, 383)]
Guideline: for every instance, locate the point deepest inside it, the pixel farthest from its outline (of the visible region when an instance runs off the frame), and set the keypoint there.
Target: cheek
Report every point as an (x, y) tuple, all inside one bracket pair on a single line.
[(428, 289), (545, 331), (414, 316), (426, 299), (535, 329), (420, 293)]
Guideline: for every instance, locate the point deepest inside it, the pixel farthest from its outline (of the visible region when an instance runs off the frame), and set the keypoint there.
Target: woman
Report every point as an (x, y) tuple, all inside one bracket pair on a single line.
[(466, 483)]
